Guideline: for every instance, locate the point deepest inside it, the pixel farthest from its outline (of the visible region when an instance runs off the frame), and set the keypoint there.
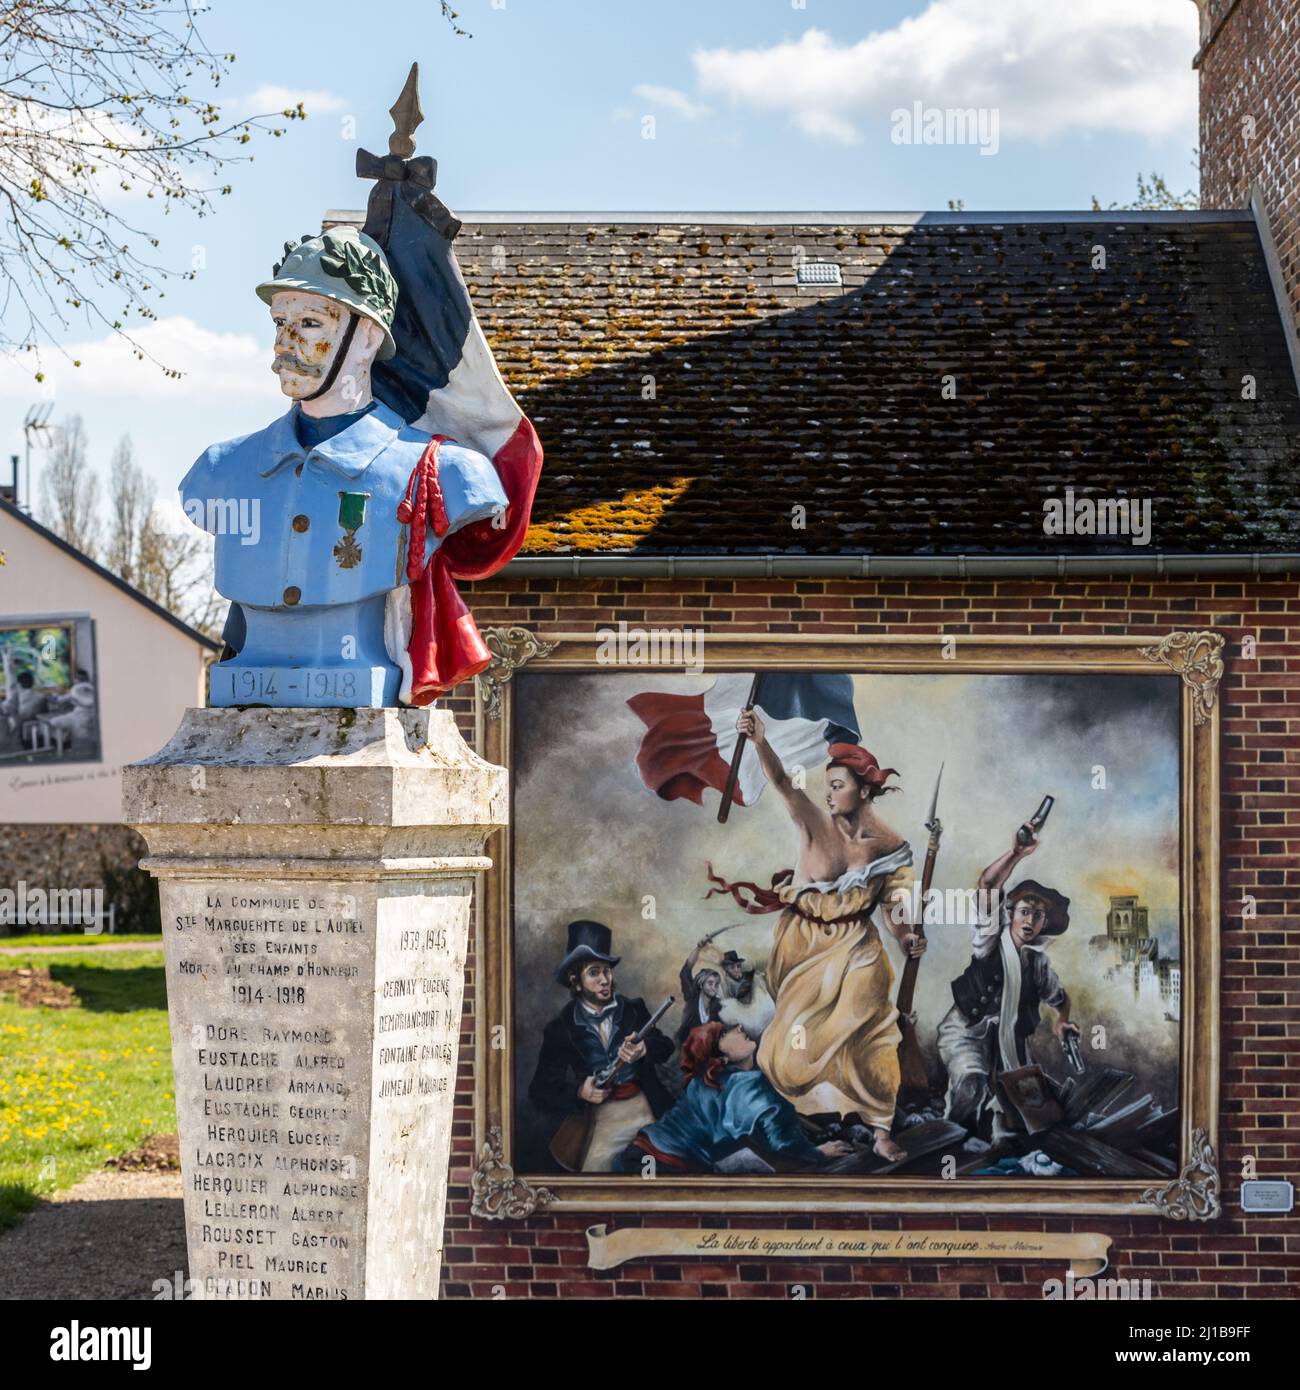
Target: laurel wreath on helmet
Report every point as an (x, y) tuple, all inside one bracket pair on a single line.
[(365, 274), (360, 269)]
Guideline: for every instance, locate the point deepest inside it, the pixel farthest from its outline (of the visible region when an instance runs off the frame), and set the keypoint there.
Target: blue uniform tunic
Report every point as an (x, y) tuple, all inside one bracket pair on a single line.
[(308, 547)]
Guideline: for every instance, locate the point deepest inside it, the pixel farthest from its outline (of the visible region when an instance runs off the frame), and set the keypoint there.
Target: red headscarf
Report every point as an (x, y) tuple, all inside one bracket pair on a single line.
[(860, 761), (700, 1055)]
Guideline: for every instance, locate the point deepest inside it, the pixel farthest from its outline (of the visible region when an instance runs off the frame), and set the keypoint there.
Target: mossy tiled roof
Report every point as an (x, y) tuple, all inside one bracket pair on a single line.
[(693, 398)]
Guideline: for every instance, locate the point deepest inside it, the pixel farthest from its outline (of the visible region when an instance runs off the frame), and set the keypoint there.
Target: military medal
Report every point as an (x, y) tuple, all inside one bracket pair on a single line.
[(352, 513)]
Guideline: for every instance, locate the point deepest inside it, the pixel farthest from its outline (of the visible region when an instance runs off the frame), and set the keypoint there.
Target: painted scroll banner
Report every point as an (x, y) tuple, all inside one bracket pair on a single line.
[(1086, 1253)]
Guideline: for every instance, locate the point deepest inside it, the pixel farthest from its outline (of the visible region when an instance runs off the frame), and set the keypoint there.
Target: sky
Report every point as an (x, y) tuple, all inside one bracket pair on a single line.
[(752, 105)]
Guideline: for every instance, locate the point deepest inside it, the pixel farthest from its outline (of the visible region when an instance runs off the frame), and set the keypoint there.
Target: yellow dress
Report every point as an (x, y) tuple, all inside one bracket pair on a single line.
[(832, 1045)]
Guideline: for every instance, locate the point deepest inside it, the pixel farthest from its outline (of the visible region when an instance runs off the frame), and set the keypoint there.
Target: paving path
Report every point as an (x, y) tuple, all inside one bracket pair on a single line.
[(110, 1236)]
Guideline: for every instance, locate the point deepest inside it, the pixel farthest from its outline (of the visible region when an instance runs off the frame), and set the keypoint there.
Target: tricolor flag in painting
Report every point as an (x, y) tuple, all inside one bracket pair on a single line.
[(444, 379), (690, 739)]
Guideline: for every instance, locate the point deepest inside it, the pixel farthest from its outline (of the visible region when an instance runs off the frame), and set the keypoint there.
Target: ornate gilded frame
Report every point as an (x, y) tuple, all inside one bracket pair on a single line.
[(1194, 658)]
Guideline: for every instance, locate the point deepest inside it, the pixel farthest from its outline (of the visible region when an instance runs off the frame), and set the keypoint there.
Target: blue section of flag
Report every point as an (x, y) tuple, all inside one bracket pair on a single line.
[(792, 695), (433, 309)]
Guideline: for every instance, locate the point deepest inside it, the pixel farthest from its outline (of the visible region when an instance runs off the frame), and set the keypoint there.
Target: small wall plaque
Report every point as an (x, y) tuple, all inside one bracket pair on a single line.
[(1257, 1195)]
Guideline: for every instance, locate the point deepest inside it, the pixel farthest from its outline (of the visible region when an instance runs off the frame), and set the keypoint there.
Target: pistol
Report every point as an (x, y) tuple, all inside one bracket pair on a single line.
[(1070, 1046), (1036, 821)]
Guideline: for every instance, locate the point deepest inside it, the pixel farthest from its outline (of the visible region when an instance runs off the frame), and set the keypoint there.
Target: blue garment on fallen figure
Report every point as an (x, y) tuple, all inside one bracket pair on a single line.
[(1012, 1167), (708, 1123)]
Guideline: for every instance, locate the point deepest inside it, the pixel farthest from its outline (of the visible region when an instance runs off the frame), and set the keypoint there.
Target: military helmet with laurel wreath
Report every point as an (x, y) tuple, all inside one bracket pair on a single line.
[(345, 266)]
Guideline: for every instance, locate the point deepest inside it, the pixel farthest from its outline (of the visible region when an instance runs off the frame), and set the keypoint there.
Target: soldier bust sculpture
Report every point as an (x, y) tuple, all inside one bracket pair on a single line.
[(341, 527), (314, 580)]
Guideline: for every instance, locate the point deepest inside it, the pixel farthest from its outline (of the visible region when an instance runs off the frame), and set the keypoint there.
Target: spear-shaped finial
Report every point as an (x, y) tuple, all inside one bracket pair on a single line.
[(407, 115)]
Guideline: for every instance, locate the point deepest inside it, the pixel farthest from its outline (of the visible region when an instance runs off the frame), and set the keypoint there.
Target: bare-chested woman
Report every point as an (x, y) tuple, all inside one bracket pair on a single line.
[(832, 1045)]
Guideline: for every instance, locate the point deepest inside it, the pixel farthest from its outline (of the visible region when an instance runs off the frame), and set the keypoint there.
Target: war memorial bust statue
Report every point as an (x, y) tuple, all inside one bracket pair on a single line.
[(360, 506)]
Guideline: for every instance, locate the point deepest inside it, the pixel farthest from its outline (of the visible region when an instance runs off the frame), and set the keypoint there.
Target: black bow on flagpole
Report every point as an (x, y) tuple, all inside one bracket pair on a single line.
[(398, 166)]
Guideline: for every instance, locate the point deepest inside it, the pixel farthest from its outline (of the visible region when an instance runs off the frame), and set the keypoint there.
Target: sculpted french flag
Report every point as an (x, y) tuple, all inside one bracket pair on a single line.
[(690, 739), (444, 379)]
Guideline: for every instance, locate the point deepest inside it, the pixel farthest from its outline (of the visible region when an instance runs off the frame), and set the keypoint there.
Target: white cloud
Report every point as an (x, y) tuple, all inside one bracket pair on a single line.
[(270, 98), (90, 152), (1049, 68), (215, 365), (676, 102), (825, 125)]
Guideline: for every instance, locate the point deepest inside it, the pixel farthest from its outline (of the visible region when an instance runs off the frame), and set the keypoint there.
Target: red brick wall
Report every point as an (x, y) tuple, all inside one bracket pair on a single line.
[(1250, 68), (1236, 1257)]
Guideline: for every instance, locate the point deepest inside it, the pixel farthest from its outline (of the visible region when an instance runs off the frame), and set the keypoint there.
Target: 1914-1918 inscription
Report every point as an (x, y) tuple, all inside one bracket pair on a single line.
[(311, 1052)]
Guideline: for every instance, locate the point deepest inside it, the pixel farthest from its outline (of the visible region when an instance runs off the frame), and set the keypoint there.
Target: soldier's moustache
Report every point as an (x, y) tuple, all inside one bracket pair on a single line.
[(287, 361)]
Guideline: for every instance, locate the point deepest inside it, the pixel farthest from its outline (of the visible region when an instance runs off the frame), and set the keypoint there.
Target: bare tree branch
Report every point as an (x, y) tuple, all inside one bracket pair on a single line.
[(106, 105), (175, 570), (130, 500), (70, 489), (1154, 195)]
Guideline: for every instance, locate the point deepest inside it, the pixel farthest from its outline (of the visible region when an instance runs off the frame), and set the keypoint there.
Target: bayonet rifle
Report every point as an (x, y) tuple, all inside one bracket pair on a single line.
[(913, 1079)]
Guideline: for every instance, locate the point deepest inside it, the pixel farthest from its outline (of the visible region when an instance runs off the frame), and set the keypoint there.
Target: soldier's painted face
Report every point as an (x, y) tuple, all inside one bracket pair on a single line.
[(1028, 918), (308, 328)]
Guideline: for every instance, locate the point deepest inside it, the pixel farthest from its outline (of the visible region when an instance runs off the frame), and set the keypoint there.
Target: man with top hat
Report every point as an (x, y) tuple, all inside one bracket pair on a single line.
[(997, 999), (310, 514), (593, 1032), (740, 976)]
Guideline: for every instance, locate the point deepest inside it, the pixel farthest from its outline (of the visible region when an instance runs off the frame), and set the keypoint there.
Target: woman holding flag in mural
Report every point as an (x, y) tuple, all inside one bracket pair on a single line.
[(832, 1045)]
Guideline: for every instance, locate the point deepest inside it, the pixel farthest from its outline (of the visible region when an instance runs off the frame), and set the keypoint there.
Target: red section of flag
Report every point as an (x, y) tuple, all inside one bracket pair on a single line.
[(446, 647), (480, 550), (678, 757)]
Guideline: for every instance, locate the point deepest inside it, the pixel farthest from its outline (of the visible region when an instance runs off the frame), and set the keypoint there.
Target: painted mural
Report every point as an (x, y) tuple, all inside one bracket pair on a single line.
[(49, 703), (830, 924)]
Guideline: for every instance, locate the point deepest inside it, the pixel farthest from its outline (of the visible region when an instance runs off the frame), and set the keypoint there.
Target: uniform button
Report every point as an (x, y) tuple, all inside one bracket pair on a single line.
[(300, 522), (292, 594)]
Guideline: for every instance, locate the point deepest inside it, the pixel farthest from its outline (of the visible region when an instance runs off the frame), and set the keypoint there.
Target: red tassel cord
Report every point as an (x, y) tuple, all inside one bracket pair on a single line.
[(446, 647)]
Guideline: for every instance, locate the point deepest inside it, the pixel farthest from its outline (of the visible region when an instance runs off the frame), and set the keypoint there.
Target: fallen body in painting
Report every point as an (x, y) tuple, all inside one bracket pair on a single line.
[(729, 1115)]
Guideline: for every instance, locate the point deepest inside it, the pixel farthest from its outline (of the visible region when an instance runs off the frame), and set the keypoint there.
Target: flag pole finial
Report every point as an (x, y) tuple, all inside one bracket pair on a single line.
[(407, 115)]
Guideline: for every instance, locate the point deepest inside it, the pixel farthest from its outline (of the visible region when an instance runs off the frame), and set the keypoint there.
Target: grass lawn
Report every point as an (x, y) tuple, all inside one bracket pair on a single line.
[(81, 939), (81, 1084)]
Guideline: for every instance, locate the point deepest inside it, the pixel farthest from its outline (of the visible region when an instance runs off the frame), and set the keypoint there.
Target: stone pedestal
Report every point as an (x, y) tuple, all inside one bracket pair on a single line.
[(315, 869)]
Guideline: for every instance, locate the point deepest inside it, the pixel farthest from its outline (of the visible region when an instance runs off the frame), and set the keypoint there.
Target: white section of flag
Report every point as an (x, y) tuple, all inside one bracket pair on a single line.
[(475, 407), (797, 742)]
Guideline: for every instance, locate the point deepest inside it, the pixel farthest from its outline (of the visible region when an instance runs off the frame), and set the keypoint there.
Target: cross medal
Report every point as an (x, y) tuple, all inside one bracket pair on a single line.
[(352, 512)]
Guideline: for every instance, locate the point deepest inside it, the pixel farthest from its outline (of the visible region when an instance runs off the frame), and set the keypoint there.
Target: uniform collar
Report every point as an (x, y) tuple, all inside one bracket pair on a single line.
[(348, 454)]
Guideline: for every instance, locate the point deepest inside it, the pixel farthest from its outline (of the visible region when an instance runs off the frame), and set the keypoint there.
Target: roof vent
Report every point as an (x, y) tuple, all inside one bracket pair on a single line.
[(819, 273)]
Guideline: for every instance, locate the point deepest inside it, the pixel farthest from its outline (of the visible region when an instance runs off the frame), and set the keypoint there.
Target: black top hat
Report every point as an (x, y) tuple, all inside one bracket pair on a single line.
[(587, 941), (731, 958), (1058, 906)]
